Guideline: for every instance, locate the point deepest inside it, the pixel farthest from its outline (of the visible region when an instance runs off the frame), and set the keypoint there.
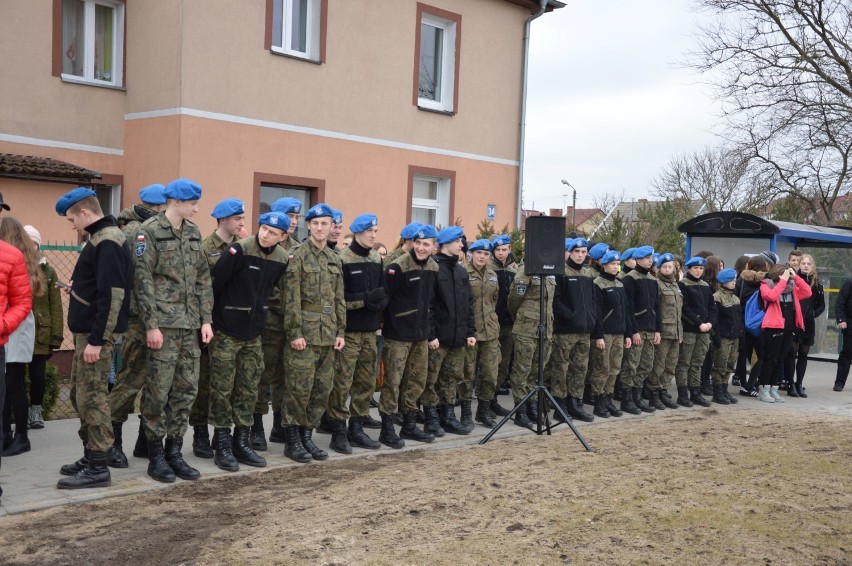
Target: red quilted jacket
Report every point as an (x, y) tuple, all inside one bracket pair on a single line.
[(16, 297)]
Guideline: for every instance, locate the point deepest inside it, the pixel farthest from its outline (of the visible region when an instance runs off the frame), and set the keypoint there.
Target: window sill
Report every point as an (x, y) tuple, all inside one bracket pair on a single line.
[(295, 57), (436, 110), (81, 81)]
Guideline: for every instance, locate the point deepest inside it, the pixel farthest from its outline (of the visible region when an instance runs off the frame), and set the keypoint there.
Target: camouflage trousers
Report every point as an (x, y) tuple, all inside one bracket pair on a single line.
[(172, 383), (275, 347), (235, 368), (568, 364), (446, 369), (355, 376), (132, 375), (406, 367), (640, 362), (89, 394), (525, 364), (504, 370), (605, 364), (693, 350), (486, 356), (665, 362), (200, 411), (310, 373), (725, 360)]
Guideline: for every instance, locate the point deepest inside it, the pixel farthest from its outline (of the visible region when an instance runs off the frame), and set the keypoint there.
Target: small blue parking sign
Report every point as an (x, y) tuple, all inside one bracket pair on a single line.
[(492, 211)]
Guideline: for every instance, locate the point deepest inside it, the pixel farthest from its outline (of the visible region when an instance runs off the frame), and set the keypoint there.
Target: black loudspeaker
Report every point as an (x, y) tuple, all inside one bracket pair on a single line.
[(544, 249)]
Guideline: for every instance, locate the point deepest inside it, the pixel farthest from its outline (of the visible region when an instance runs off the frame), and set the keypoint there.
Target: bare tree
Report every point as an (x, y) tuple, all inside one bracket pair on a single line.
[(784, 71)]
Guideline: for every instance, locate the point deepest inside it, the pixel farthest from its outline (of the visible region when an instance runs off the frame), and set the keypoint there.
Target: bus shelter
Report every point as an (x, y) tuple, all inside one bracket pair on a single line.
[(732, 234)]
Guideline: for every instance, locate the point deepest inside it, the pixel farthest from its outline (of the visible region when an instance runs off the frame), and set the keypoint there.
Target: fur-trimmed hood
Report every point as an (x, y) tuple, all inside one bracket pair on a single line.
[(753, 277)]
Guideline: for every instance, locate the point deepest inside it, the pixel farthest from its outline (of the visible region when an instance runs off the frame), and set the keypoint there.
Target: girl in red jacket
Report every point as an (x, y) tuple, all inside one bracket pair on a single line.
[(781, 291)]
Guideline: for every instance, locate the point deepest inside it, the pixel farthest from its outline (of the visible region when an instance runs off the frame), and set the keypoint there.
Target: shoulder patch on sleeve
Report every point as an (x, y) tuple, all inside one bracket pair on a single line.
[(232, 250), (521, 289), (391, 271), (140, 245)]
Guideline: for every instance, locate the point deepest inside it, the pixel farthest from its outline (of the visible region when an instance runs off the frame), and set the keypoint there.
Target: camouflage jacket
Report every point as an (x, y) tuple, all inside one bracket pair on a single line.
[(671, 306), (524, 304), (315, 304), (275, 304), (213, 247), (486, 290), (172, 283)]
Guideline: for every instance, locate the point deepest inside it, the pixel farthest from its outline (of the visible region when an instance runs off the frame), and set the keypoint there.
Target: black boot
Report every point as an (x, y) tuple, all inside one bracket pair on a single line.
[(201, 442), (627, 404), (74, 468), (158, 468), (727, 393), (174, 458), (588, 398), (293, 448), (640, 402), (576, 410), (706, 386), (410, 431), (683, 396), (532, 409), (667, 400), (339, 441), (224, 453), (718, 396), (421, 416), (600, 409), (370, 422), (467, 415), (258, 435), (326, 425), (695, 397), (562, 403), (449, 422), (613, 410), (483, 414), (140, 449), (357, 436), (521, 418), (20, 443), (115, 456), (388, 435), (800, 389), (317, 453), (95, 474), (497, 409), (277, 434), (433, 422), (654, 400), (243, 450)]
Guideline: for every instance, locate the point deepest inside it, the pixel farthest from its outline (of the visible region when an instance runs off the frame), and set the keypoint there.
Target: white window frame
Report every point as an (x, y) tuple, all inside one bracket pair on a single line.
[(89, 46), (441, 204), (313, 31), (448, 65)]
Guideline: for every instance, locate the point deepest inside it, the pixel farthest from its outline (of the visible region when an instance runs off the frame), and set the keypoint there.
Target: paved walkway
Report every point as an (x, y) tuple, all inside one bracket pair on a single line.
[(29, 480)]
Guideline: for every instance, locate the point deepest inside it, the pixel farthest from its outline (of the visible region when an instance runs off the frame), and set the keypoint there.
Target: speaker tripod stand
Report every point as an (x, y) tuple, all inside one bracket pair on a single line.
[(540, 391)]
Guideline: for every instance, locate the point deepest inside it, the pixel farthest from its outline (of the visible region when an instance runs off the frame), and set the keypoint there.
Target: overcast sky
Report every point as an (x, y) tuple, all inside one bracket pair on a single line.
[(608, 104)]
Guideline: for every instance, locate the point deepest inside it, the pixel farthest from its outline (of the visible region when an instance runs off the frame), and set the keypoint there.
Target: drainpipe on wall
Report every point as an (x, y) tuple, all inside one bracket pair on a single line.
[(527, 26)]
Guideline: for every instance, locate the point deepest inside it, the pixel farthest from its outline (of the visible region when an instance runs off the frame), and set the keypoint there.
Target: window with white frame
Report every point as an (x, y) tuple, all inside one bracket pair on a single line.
[(296, 28), (430, 200), (437, 61), (271, 193), (93, 41)]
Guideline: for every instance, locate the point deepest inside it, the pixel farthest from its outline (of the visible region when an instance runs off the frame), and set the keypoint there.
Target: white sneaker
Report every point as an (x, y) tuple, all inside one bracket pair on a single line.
[(36, 419), (773, 392), (763, 395)]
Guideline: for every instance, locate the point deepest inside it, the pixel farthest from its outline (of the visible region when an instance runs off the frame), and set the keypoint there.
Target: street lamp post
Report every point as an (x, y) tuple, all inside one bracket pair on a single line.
[(573, 204)]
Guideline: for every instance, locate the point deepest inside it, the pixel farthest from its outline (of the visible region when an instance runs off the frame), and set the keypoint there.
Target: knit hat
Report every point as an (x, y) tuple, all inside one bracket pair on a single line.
[(34, 234)]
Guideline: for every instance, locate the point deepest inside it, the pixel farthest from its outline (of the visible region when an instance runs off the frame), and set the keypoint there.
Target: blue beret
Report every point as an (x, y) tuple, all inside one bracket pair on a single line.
[(337, 217), (71, 198), (726, 276), (571, 243), (318, 211), (153, 194), (362, 222), (481, 244), (501, 240), (275, 219), (696, 261), (228, 207), (609, 256), (183, 189), (664, 258), (598, 250), (450, 234), (628, 254), (287, 205), (409, 232), (426, 231), (643, 251)]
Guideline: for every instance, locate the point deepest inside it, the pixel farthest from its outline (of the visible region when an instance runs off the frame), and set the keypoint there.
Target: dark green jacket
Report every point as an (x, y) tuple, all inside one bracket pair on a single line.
[(49, 318)]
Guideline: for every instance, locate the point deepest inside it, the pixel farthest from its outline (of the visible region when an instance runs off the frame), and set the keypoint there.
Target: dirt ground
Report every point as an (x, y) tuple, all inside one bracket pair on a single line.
[(713, 485)]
